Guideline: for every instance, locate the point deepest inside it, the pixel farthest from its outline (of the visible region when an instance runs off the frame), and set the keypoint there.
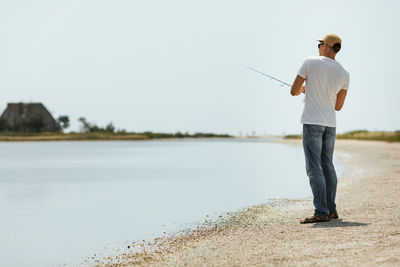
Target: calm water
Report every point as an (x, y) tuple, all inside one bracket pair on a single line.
[(61, 202)]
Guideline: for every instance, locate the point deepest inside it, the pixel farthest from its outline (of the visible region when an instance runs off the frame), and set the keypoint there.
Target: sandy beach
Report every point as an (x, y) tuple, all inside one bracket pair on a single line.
[(367, 232)]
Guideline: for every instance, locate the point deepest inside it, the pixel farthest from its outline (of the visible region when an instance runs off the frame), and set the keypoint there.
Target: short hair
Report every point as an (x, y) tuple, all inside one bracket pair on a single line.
[(336, 47)]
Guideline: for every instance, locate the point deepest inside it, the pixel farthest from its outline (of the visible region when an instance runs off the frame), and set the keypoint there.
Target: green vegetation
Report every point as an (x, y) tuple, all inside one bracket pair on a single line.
[(293, 136), (33, 124), (362, 135), (3, 124), (366, 135), (90, 131), (63, 122), (90, 127), (58, 136)]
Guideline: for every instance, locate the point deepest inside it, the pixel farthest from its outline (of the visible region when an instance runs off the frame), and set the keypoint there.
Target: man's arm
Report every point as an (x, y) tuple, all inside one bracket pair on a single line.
[(340, 97), (298, 87)]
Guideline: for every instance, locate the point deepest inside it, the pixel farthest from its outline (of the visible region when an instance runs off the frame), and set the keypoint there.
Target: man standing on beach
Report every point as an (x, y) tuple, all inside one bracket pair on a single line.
[(326, 88)]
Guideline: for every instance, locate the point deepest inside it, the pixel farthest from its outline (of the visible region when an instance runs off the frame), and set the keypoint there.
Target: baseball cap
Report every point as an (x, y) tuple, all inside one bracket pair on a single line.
[(331, 39)]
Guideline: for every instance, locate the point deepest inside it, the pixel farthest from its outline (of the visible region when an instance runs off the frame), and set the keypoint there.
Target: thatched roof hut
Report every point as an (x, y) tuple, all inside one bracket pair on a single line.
[(29, 117)]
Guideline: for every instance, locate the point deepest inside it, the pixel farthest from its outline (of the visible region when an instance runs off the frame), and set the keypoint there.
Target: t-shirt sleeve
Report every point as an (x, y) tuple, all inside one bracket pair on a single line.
[(346, 81), (303, 71)]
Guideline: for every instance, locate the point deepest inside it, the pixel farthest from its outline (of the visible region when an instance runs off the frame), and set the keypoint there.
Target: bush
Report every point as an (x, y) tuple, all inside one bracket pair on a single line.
[(3, 124), (293, 136), (89, 127), (33, 124), (63, 121), (357, 132), (110, 128)]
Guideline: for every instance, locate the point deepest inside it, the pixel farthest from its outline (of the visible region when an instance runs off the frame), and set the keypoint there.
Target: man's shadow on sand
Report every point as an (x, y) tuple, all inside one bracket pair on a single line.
[(338, 223)]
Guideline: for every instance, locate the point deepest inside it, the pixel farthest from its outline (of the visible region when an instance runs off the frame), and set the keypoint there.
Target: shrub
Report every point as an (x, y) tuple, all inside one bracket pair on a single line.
[(33, 124), (3, 124)]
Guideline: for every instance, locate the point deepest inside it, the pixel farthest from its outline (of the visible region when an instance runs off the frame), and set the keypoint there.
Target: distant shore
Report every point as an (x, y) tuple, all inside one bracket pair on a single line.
[(131, 136), (367, 232), (362, 135), (101, 136)]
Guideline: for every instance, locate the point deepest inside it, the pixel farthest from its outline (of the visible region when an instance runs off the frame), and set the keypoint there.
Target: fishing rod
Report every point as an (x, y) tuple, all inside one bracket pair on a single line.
[(269, 76)]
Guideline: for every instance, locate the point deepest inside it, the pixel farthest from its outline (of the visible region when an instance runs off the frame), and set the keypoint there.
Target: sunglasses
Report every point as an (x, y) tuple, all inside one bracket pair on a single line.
[(320, 44)]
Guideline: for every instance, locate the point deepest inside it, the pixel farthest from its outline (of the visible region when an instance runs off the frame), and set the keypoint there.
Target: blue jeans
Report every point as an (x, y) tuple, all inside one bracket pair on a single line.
[(318, 144)]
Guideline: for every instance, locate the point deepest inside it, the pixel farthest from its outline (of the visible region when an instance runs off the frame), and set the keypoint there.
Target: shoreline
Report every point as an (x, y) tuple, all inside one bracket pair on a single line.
[(23, 139), (367, 232), (98, 136), (79, 137)]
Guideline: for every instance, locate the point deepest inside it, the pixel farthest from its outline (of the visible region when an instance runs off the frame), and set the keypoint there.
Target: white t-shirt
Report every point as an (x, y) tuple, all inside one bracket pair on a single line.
[(325, 77)]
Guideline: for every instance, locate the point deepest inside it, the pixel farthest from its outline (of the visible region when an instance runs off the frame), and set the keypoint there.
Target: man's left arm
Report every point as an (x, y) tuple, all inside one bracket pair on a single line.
[(297, 86)]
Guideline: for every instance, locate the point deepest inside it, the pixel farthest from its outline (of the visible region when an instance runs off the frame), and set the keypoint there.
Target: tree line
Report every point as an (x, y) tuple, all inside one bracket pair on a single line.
[(36, 124)]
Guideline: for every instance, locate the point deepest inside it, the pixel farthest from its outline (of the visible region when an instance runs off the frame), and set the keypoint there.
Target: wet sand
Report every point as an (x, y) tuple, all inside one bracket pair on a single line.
[(367, 232)]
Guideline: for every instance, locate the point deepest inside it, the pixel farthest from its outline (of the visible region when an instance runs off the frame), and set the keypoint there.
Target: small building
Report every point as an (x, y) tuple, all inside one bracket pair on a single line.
[(29, 117)]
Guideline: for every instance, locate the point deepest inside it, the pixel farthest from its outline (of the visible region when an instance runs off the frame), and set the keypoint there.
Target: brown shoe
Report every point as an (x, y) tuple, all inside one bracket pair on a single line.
[(334, 215), (317, 218)]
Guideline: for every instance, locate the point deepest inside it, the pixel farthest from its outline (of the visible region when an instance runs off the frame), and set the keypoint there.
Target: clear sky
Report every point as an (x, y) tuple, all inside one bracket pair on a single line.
[(172, 65)]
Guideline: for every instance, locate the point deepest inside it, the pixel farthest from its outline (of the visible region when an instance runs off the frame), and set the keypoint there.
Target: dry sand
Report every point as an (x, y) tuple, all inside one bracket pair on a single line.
[(367, 232)]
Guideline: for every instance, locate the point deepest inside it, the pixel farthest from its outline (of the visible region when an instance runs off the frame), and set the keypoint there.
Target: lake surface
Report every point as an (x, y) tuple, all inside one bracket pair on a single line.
[(62, 202)]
